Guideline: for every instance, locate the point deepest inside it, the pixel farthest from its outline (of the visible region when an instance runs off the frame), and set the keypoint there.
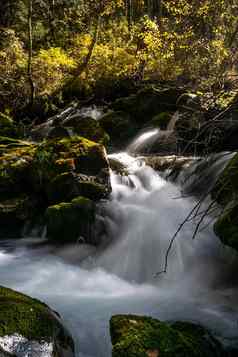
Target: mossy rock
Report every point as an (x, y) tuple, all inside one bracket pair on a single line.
[(33, 170), (225, 192), (120, 127), (14, 213), (69, 222), (161, 120), (7, 126), (139, 336), (118, 167), (69, 185), (58, 132), (226, 227), (148, 102), (32, 167), (226, 187), (87, 127), (33, 320)]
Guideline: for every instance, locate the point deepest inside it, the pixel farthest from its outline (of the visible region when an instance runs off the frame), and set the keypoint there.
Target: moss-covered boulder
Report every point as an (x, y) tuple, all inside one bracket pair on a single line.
[(66, 186), (161, 120), (139, 336), (55, 171), (120, 127), (225, 192), (72, 124), (33, 325), (226, 227), (87, 127), (71, 222), (7, 126), (148, 102), (14, 213)]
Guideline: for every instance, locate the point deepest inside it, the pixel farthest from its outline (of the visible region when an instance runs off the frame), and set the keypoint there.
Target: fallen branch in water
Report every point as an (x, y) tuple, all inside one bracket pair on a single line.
[(192, 215), (198, 204)]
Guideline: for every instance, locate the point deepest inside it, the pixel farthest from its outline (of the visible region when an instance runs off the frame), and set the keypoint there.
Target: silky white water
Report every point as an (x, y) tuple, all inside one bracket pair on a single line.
[(87, 285)]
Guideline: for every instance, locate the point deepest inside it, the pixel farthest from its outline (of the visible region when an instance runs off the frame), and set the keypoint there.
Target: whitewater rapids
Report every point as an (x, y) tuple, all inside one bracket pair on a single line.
[(87, 285)]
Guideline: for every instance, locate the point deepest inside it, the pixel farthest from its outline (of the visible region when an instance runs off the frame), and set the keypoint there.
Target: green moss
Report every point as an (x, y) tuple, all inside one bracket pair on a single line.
[(26, 316), (119, 126), (148, 102), (161, 120), (136, 336), (92, 190), (225, 192), (88, 128), (7, 126), (226, 227), (226, 187), (57, 170), (67, 222)]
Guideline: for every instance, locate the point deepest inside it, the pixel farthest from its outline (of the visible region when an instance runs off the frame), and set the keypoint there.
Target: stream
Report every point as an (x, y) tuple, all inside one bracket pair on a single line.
[(88, 285)]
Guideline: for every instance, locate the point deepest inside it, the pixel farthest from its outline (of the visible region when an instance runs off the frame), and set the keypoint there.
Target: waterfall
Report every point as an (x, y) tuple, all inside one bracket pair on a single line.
[(86, 285)]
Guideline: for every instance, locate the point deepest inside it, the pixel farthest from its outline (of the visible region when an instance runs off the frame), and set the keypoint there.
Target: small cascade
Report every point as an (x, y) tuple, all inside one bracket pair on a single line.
[(144, 141), (86, 284), (154, 141)]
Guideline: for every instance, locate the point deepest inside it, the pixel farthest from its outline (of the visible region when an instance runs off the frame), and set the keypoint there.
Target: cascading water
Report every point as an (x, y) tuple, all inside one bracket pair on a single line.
[(140, 218)]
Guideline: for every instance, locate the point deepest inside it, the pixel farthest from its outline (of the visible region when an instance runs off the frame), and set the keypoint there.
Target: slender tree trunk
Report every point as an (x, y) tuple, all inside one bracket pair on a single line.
[(29, 67), (129, 15), (51, 20), (83, 66), (233, 36)]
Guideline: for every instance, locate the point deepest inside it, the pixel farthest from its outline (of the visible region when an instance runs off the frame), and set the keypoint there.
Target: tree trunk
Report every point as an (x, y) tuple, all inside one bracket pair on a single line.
[(29, 67), (52, 20), (87, 59)]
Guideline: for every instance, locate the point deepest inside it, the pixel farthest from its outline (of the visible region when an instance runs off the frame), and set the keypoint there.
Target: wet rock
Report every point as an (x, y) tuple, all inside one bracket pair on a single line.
[(118, 167), (225, 192), (144, 336), (58, 132), (160, 142), (172, 165), (14, 213), (149, 102), (30, 328), (7, 126), (69, 123), (87, 127), (55, 171), (161, 120), (71, 222), (66, 186), (120, 127)]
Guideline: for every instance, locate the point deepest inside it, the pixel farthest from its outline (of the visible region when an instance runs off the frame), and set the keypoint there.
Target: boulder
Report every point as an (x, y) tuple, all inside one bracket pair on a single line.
[(87, 127), (140, 336), (71, 123), (7, 126), (71, 222), (148, 102), (172, 165), (55, 171), (161, 120), (225, 192), (119, 126), (14, 213), (28, 324)]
